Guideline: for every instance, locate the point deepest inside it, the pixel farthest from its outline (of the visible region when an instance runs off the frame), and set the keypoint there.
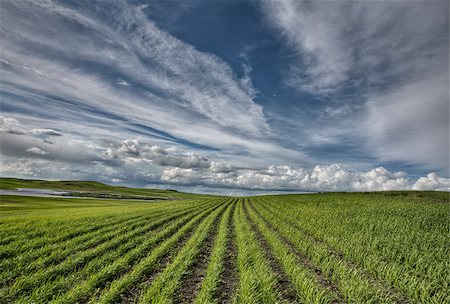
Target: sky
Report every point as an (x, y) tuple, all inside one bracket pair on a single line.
[(230, 97)]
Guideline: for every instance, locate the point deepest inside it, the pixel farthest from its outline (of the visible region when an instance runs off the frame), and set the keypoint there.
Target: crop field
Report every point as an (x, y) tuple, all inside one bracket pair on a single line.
[(388, 247)]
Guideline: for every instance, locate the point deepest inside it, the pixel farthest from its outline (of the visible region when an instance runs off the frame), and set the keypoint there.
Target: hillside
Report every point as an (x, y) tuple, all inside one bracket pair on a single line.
[(94, 189)]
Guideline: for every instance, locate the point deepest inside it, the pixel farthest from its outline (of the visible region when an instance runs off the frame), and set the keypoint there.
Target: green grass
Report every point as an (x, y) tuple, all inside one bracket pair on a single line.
[(162, 288), (95, 189), (387, 247), (257, 282), (216, 264), (303, 280)]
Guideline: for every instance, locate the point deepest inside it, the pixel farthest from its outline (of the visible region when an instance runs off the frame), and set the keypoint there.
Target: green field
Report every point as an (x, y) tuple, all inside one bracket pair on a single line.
[(390, 247)]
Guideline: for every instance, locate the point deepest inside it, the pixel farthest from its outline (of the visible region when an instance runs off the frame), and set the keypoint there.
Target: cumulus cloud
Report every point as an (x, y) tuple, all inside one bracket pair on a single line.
[(13, 126), (123, 149), (432, 182), (55, 169), (19, 141), (19, 167), (123, 83), (130, 161), (133, 151), (36, 150), (332, 177)]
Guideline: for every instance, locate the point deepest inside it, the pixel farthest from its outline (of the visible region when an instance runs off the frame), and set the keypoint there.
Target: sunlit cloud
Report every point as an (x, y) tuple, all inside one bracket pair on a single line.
[(316, 96)]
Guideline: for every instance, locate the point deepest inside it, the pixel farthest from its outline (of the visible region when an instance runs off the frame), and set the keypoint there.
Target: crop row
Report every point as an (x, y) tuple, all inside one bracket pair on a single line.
[(360, 270), (120, 247), (294, 249)]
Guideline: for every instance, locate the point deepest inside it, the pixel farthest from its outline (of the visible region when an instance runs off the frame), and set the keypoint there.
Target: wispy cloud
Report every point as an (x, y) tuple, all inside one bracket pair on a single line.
[(174, 83), (360, 44), (13, 126), (380, 65), (411, 123), (97, 89)]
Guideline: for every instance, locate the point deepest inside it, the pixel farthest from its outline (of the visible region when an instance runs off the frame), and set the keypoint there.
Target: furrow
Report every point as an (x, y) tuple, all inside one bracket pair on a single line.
[(38, 235), (192, 280), (353, 287), (217, 267), (120, 263), (24, 285), (405, 278), (54, 253), (163, 287), (19, 245), (257, 282), (307, 280), (132, 295), (139, 271)]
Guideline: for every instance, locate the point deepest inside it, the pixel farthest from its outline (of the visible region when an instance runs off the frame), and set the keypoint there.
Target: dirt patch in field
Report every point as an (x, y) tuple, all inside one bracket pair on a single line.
[(229, 277), (287, 291)]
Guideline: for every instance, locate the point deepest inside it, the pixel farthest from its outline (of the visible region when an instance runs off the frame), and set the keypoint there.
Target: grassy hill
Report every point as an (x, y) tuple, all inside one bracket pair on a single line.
[(94, 189)]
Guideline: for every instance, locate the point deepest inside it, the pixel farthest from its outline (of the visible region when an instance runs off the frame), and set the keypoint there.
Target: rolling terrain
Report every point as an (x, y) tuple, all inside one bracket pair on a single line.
[(388, 247)]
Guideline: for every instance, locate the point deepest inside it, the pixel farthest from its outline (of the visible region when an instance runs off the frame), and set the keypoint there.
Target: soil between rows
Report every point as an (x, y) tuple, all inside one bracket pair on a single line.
[(391, 290), (285, 286), (305, 261), (133, 294), (192, 280), (229, 277)]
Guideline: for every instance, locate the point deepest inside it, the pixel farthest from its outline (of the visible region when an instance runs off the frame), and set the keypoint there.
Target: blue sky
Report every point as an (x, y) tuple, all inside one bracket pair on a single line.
[(227, 96)]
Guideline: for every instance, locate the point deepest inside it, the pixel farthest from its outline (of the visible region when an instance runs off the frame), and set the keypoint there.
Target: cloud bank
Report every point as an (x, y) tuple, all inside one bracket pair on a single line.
[(332, 177), (150, 163)]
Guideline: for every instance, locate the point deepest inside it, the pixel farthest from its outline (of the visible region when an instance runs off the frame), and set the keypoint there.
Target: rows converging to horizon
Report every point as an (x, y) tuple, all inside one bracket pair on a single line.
[(269, 249)]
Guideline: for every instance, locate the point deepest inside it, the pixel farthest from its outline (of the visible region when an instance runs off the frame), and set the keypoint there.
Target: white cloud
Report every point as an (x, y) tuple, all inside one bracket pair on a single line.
[(332, 177), (123, 149), (313, 30), (13, 126), (54, 169), (133, 163), (432, 182), (187, 78), (22, 167), (123, 83), (411, 123), (391, 57), (246, 80), (187, 94), (117, 180), (65, 148), (36, 150), (133, 151), (346, 43)]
